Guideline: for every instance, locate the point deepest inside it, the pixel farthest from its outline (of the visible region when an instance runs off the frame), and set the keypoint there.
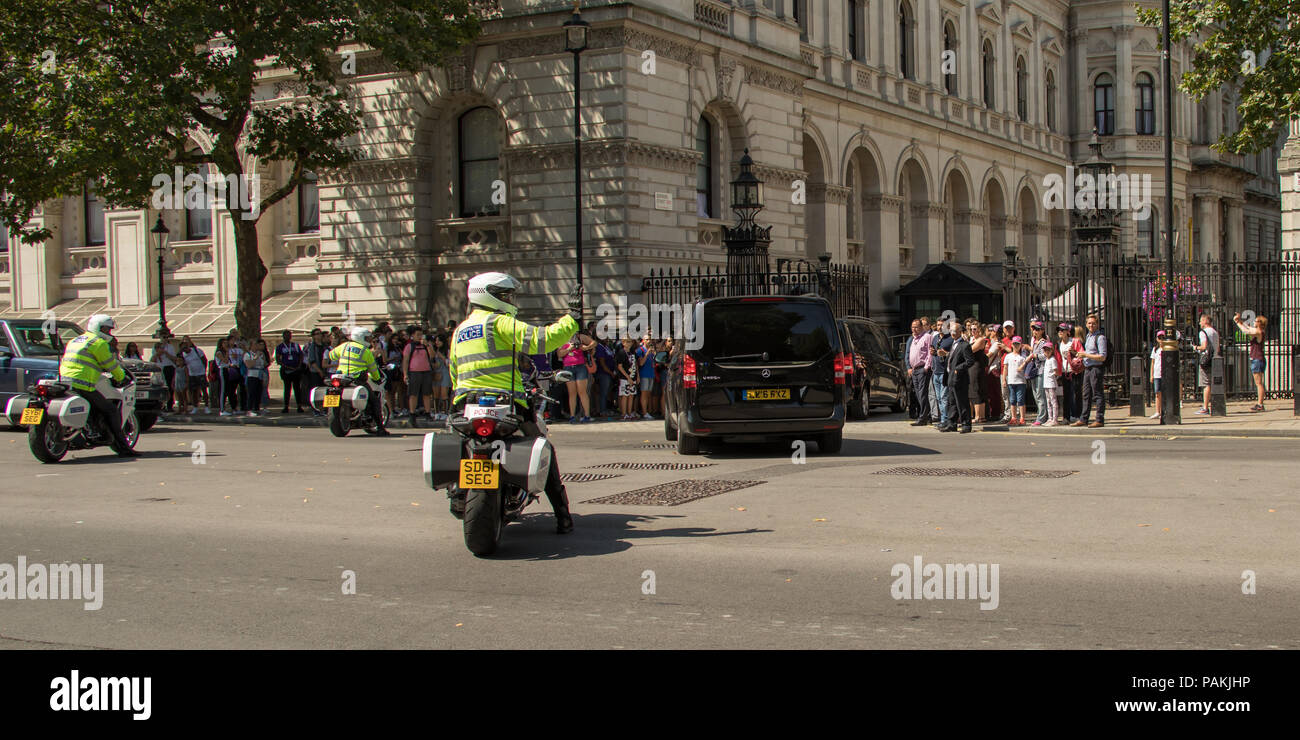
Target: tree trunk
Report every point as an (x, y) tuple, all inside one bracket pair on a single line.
[(250, 271)]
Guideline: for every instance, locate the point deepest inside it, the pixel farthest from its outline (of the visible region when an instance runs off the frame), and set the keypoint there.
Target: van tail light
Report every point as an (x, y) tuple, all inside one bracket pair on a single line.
[(484, 427), (842, 363), (688, 372)]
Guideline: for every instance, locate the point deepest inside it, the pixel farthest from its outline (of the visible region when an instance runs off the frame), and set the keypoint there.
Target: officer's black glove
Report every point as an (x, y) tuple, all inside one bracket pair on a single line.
[(575, 303)]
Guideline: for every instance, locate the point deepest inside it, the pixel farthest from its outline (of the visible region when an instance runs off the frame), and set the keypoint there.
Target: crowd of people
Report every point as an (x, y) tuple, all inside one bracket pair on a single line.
[(964, 373), (611, 379)]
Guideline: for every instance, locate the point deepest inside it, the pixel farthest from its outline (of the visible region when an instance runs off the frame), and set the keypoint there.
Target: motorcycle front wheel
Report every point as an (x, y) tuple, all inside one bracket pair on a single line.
[(46, 440), (483, 522), (130, 430)]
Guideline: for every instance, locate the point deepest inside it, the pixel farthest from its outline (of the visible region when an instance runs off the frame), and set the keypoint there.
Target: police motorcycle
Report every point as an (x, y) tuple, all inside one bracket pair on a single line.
[(488, 468), (59, 420), (346, 400)]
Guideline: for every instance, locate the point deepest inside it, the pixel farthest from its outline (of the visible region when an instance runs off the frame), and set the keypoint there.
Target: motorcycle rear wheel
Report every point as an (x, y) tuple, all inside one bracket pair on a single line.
[(483, 522), (338, 422), (46, 440)]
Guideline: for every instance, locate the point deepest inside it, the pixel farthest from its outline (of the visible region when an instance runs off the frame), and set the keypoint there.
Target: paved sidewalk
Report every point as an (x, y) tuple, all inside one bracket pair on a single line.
[(1278, 420)]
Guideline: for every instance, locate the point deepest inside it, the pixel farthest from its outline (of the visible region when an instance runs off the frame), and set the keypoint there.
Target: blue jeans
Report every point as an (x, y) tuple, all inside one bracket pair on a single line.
[(939, 391), (603, 384)]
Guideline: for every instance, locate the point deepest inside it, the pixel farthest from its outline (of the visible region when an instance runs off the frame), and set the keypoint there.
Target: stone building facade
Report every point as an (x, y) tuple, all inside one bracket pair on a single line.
[(889, 133)]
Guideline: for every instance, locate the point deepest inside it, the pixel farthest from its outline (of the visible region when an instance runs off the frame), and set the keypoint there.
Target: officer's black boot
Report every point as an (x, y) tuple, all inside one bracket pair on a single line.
[(560, 505)]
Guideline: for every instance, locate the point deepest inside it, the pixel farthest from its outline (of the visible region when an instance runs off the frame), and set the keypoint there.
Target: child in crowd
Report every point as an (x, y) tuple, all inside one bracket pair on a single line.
[(1051, 372), (1013, 369)]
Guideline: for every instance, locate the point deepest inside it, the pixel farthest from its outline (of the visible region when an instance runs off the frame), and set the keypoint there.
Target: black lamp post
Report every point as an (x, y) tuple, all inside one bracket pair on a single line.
[(1094, 229), (746, 242), (1171, 398), (162, 231), (575, 41)]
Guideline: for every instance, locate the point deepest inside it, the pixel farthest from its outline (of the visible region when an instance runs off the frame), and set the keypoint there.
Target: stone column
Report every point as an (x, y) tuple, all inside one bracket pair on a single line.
[(1081, 101), (968, 230), (34, 269), (1125, 94), (128, 257), (882, 255), (931, 253), (1288, 170), (887, 37), (1207, 220), (1236, 247)]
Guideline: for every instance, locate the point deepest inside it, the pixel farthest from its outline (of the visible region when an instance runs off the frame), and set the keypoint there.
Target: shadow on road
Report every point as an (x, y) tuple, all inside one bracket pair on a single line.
[(779, 451), (534, 538), (109, 456)]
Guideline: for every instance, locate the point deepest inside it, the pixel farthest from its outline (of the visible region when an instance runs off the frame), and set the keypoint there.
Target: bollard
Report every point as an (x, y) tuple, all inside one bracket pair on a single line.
[(1136, 388), (1170, 387), (1218, 395), (1295, 378)]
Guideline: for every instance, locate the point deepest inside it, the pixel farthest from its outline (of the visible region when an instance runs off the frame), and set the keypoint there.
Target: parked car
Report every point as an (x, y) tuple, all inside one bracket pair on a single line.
[(877, 377), (29, 353), (769, 366)]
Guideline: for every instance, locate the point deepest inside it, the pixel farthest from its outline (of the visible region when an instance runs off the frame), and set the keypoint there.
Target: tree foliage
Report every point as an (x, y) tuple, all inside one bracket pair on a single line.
[(1251, 46), (117, 92)]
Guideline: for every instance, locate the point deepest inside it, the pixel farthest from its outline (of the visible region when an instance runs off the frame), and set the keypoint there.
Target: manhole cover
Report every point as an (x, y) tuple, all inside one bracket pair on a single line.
[(674, 493), (978, 472), (652, 466), (587, 477)]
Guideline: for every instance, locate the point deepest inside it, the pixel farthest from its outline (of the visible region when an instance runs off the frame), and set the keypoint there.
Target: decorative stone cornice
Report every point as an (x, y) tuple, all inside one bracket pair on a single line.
[(384, 170), (769, 174), (602, 152), (603, 38), (968, 216), (880, 201), (824, 193), (773, 80)]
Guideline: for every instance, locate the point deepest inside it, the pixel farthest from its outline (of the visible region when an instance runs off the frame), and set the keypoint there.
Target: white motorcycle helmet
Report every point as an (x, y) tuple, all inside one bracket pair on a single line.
[(102, 325), (494, 291), (360, 335)]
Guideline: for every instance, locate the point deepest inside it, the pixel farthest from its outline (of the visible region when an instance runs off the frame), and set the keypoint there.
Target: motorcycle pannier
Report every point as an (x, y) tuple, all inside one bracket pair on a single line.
[(442, 453)]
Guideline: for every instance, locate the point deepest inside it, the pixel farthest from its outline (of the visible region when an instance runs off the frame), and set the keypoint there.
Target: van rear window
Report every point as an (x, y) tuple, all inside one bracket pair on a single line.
[(787, 332)]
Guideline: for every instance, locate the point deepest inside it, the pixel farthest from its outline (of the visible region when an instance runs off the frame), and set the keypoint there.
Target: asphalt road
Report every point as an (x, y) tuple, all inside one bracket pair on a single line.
[(249, 548)]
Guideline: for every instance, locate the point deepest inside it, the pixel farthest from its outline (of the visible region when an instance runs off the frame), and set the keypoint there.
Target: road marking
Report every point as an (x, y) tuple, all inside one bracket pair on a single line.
[(47, 475)]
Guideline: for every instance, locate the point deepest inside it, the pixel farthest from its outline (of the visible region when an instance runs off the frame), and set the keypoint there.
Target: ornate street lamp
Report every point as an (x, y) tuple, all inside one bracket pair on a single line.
[(746, 242), (160, 229), (575, 41), (1169, 371)]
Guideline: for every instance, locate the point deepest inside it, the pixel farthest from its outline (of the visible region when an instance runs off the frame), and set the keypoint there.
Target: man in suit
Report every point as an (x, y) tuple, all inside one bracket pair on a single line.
[(960, 359)]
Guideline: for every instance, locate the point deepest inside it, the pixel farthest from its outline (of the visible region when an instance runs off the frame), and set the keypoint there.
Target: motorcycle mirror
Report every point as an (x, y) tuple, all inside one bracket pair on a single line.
[(563, 376)]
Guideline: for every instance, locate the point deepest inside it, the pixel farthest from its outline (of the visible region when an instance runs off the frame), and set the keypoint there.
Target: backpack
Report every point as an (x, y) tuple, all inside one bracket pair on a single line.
[(1207, 357), (214, 372)]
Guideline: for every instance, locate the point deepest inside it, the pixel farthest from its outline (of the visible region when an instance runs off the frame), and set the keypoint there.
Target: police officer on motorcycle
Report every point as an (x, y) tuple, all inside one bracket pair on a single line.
[(87, 357), (483, 355), (355, 359)]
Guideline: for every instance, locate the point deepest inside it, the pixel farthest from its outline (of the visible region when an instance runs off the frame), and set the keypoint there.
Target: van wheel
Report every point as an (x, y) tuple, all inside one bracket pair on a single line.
[(831, 442), (670, 431), (900, 406), (687, 445)]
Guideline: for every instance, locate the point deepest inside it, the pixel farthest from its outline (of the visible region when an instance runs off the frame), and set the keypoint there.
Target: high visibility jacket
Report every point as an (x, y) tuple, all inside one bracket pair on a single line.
[(85, 358), (354, 358), (485, 347)]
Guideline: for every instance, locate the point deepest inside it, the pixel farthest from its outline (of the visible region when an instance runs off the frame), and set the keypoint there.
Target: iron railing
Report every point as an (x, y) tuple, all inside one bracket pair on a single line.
[(844, 286)]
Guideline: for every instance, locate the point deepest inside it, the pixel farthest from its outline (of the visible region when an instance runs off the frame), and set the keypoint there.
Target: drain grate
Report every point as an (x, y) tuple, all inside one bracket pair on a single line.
[(674, 493), (661, 446), (653, 466), (153, 499), (587, 477), (977, 472)]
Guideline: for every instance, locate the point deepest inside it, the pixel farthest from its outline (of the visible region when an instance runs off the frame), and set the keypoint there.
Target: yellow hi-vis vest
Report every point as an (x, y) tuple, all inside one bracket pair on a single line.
[(485, 345), (84, 359), (354, 358)]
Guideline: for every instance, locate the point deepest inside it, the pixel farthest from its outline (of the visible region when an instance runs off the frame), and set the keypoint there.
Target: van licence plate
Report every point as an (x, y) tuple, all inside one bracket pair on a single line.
[(479, 474), (768, 394)]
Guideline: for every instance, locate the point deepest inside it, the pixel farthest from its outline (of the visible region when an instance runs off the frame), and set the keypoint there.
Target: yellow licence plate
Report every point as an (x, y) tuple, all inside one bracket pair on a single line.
[(479, 474), (768, 394), (331, 400), (32, 416)]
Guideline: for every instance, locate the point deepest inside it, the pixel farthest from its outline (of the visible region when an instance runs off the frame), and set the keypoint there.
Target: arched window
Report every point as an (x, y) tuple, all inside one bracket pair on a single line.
[(1146, 104), (308, 205), (93, 211), (198, 206), (990, 73), (1103, 105), (1022, 90), (479, 162), (1148, 230), (704, 171), (905, 51), (950, 58), (1051, 101)]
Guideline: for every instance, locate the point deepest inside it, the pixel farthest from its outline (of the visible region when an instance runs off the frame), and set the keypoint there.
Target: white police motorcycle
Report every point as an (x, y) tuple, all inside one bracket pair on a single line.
[(59, 420), (346, 399)]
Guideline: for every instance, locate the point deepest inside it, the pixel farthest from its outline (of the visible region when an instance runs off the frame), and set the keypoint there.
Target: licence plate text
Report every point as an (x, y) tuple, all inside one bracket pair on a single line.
[(479, 474), (331, 400), (768, 394), (32, 416)]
